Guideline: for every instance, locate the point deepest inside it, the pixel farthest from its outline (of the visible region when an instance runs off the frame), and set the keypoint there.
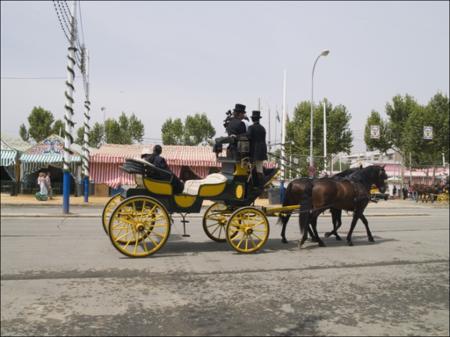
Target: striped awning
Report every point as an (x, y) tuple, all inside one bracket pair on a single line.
[(33, 162), (46, 158), (8, 157), (111, 175), (175, 155)]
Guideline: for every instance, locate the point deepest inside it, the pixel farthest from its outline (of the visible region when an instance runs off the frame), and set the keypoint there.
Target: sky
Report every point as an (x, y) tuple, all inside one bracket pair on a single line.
[(163, 60)]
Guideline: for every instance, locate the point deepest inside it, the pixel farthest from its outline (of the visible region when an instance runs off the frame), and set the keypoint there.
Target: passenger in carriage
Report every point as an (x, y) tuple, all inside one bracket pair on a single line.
[(256, 134), (155, 158)]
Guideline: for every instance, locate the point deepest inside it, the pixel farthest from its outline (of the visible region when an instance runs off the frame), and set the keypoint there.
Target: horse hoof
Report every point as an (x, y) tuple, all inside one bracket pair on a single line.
[(313, 240), (284, 241), (371, 240), (350, 243), (327, 234), (338, 238)]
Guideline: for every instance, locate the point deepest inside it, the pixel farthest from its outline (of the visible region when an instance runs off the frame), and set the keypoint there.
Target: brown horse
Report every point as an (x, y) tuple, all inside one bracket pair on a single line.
[(294, 193), (351, 194)]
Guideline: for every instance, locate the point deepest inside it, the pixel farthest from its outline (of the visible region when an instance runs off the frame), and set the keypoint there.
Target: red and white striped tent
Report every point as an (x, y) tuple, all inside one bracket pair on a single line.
[(105, 161)]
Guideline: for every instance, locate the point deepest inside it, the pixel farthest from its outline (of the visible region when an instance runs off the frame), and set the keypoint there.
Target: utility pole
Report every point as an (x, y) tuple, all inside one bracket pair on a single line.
[(325, 136), (68, 138), (283, 140), (87, 103), (270, 146)]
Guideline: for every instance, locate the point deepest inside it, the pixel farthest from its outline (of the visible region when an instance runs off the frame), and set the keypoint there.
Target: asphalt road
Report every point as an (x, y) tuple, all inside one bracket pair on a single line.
[(61, 276)]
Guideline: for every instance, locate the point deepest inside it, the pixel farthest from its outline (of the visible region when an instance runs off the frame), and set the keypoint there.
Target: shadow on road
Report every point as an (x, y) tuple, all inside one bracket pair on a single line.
[(177, 247)]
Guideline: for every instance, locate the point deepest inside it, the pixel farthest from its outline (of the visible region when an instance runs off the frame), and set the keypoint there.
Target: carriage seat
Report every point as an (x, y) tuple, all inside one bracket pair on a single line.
[(148, 170), (212, 185)]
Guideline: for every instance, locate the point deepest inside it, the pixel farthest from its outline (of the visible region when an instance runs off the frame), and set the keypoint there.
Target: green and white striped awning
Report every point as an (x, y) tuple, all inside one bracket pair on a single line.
[(47, 158), (34, 162), (7, 157)]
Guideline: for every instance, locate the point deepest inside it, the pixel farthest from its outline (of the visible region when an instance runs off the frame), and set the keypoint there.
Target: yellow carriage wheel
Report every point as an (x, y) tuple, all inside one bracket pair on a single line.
[(139, 226), (215, 221), (109, 208), (247, 230)]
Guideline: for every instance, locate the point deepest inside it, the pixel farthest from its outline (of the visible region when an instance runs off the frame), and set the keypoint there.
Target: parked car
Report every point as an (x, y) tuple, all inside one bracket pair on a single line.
[(377, 195)]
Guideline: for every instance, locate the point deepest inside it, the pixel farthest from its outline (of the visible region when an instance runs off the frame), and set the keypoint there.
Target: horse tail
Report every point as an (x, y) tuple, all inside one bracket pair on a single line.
[(287, 195), (305, 208)]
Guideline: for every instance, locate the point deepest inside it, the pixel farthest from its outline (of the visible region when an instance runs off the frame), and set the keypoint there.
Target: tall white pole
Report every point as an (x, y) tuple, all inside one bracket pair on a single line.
[(270, 138), (311, 157), (68, 139), (325, 136), (283, 129)]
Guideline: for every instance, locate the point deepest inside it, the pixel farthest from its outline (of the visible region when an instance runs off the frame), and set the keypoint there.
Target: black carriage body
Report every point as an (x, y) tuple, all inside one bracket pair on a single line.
[(238, 190)]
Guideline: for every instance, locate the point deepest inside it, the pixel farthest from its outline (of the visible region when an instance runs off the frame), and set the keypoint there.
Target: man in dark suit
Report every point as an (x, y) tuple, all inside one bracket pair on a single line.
[(236, 126), (155, 158), (258, 148)]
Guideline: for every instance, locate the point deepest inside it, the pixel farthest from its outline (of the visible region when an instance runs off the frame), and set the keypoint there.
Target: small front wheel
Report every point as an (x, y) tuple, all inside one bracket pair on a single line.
[(247, 230), (215, 221)]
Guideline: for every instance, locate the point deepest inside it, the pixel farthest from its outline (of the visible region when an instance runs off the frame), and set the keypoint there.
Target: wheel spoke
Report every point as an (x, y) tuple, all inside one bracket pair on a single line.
[(252, 241), (240, 241), (257, 236), (136, 243)]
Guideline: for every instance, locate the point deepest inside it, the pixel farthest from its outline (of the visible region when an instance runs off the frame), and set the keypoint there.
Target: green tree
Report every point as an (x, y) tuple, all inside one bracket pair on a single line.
[(434, 114), (96, 135), (40, 124), (125, 130), (136, 128), (58, 128), (112, 132), (197, 129), (398, 113), (339, 135), (23, 132), (383, 143), (172, 132)]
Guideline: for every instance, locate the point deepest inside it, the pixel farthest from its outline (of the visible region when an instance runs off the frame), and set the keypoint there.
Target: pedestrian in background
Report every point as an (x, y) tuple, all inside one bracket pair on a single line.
[(49, 186), (42, 195)]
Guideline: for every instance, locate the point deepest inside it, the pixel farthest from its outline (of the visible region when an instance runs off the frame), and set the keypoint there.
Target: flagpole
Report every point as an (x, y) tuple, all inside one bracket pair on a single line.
[(283, 140)]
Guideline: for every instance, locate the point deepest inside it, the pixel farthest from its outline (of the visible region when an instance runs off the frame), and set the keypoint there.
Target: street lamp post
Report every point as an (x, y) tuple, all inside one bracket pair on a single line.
[(311, 158)]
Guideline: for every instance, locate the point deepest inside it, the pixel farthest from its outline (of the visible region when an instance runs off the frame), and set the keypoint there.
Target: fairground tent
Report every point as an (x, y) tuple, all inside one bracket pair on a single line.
[(11, 148), (50, 152), (105, 161)]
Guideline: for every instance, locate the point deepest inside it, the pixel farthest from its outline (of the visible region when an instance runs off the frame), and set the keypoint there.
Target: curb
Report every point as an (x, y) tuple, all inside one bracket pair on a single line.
[(196, 215)]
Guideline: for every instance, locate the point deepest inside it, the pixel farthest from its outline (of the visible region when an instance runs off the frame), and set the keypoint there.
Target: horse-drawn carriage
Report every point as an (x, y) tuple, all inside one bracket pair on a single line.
[(139, 220)]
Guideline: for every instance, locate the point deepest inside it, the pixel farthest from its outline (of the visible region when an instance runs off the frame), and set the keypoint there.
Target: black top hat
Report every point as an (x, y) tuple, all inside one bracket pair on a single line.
[(239, 108), (256, 114)]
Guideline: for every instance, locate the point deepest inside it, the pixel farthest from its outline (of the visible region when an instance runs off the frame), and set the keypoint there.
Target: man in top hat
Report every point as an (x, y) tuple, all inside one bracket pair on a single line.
[(258, 148), (236, 126)]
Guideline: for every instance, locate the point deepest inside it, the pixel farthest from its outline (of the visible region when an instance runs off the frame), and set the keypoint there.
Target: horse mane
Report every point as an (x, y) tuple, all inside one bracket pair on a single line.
[(345, 173), (365, 175)]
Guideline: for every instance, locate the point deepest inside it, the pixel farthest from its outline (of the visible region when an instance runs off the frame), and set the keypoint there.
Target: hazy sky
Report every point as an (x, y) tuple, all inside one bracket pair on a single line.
[(170, 59)]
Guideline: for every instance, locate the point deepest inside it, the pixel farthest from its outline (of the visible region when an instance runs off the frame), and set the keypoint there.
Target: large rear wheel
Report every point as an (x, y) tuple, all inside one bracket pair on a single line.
[(139, 226), (247, 230)]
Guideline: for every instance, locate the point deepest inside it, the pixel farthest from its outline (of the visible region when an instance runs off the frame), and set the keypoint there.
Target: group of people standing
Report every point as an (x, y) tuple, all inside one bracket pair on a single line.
[(255, 133), (45, 187), (236, 126)]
